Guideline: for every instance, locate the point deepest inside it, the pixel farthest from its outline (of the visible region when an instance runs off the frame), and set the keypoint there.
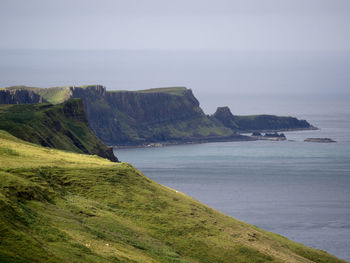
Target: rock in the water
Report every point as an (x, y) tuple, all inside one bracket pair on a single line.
[(322, 140)]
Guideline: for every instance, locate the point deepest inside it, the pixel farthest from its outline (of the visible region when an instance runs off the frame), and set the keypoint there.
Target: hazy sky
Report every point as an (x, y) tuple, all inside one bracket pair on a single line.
[(286, 25)]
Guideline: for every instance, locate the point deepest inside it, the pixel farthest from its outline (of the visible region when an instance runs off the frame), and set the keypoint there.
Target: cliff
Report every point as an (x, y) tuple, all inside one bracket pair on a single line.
[(58, 206), (258, 122), (142, 117), (62, 126), (162, 115), (18, 96)]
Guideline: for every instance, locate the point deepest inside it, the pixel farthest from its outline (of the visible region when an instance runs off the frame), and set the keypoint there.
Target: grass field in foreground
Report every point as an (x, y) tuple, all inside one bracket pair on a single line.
[(57, 206)]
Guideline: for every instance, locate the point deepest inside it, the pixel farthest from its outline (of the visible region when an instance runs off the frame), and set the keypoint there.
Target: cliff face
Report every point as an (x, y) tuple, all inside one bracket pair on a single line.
[(258, 122), (131, 118), (63, 126), (19, 97), (158, 115)]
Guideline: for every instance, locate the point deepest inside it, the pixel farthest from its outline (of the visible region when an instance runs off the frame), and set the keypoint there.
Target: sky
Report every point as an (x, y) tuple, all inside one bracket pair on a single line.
[(286, 25), (224, 50)]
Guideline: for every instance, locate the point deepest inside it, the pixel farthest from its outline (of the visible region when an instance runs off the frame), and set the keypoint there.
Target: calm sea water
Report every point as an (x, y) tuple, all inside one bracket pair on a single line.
[(297, 189)]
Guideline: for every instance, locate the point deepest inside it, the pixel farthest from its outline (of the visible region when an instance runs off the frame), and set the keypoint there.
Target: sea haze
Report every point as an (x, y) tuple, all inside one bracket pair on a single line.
[(248, 82), (297, 189)]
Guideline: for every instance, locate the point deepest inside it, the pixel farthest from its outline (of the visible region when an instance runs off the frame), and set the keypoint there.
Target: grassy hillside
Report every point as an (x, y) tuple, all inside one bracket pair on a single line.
[(62, 126), (58, 206)]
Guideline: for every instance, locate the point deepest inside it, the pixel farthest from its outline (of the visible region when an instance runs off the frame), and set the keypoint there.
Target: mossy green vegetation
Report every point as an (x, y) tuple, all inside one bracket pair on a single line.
[(58, 206), (179, 91), (55, 95), (62, 126)]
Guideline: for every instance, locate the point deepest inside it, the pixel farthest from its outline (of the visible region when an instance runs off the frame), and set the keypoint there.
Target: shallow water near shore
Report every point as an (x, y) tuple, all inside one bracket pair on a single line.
[(298, 189)]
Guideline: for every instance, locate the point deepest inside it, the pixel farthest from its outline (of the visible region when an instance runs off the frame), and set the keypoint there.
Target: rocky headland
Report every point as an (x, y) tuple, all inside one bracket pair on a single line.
[(160, 116)]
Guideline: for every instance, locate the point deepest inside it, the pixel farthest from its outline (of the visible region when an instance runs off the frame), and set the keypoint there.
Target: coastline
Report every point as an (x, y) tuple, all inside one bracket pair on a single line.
[(237, 138)]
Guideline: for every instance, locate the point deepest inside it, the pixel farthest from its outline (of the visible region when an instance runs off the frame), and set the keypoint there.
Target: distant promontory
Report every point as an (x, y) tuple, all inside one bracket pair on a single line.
[(163, 115)]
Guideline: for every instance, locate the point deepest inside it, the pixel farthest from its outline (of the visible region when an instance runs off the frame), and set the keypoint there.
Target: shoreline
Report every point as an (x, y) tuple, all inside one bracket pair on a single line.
[(237, 138)]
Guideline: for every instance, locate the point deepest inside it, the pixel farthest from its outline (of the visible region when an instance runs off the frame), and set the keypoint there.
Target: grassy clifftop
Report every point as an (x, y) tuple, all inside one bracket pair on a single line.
[(57, 206), (180, 91), (62, 126)]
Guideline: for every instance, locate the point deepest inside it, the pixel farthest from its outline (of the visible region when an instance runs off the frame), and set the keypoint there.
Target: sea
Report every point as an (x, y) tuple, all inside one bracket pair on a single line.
[(298, 189)]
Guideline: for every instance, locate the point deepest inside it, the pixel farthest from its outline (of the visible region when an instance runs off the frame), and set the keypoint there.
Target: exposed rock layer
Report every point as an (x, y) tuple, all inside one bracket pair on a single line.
[(19, 97)]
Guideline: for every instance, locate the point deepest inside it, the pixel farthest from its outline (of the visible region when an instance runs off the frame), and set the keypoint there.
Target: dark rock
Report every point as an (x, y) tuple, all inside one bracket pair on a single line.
[(18, 96), (322, 140)]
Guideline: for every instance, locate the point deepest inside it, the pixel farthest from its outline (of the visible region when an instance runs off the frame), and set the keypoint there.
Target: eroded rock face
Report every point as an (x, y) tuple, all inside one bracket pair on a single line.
[(19, 97), (132, 118), (224, 115)]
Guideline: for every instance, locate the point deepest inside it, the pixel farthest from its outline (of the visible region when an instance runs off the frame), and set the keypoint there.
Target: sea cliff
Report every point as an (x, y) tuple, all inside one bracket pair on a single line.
[(164, 115), (18, 96)]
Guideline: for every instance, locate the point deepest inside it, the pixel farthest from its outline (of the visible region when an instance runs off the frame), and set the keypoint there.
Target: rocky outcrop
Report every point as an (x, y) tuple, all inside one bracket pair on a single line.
[(18, 96), (321, 140), (269, 136), (258, 122)]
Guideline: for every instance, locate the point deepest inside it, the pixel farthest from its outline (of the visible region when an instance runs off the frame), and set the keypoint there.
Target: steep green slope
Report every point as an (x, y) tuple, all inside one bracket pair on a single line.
[(62, 126), (251, 123), (58, 206)]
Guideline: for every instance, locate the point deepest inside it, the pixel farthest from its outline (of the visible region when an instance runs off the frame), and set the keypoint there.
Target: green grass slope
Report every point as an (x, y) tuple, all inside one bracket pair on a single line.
[(180, 91), (62, 126), (57, 206)]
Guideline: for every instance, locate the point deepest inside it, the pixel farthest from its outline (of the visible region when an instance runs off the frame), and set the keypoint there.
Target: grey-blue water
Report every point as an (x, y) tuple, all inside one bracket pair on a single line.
[(297, 189)]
